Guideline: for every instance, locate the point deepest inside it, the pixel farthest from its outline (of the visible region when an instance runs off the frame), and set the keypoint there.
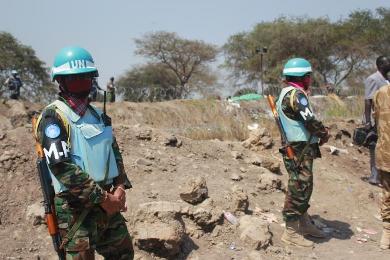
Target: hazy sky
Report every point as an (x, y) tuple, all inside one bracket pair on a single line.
[(107, 28)]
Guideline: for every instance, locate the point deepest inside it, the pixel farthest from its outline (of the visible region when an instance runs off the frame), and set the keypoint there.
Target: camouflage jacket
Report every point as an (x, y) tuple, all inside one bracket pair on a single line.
[(295, 109), (82, 191)]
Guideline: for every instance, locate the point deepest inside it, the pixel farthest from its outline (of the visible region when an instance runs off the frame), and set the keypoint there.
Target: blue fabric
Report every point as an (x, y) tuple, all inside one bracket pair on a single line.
[(90, 145), (295, 130)]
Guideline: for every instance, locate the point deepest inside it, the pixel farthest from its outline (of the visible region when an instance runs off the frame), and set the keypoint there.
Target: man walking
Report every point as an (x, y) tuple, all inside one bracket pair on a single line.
[(304, 133)]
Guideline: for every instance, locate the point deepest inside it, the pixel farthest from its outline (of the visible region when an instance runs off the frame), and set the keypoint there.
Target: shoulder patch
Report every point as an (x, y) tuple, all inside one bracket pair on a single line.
[(303, 100), (52, 131)]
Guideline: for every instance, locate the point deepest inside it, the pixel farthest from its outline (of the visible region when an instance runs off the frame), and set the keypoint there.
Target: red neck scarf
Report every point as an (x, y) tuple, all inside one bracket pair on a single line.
[(78, 105)]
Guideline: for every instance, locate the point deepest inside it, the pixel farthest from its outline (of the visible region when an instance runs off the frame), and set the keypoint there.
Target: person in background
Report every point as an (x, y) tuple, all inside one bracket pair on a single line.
[(13, 84), (111, 90), (372, 84), (94, 90)]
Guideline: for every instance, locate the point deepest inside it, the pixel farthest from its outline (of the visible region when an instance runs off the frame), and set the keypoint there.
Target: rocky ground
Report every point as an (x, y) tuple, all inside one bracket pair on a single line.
[(200, 199)]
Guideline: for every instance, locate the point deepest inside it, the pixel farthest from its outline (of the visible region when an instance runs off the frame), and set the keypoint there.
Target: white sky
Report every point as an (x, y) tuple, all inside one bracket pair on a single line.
[(107, 28)]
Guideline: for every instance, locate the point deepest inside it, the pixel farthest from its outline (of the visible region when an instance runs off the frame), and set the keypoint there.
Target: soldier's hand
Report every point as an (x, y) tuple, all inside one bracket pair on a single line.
[(112, 204), (120, 193), (325, 138)]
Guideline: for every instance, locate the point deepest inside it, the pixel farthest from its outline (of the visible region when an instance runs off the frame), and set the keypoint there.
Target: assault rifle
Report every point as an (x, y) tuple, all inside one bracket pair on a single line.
[(48, 196), (286, 146)]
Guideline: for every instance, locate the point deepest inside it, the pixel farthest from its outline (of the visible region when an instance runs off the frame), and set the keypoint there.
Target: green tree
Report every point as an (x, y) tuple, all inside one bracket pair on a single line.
[(34, 74), (337, 50), (187, 59), (150, 82)]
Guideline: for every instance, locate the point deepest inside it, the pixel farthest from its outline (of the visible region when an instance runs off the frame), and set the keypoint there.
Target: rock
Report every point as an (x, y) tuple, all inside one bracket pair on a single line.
[(254, 232), (258, 137), (35, 214), (237, 155), (9, 155), (235, 177), (17, 113), (269, 182), (5, 123), (143, 162), (165, 207), (207, 215), (266, 141), (192, 229), (253, 255), (162, 238), (144, 135), (238, 199), (272, 165), (172, 141), (217, 231), (195, 191), (158, 228)]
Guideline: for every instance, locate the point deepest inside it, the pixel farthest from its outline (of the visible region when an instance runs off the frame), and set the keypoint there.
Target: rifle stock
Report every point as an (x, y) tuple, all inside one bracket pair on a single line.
[(48, 196)]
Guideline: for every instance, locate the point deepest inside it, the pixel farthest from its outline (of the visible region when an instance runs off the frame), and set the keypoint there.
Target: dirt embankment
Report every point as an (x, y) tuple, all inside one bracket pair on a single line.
[(218, 198)]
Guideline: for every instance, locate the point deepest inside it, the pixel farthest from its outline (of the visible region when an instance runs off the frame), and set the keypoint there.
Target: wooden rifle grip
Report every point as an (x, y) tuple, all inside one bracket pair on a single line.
[(290, 152)]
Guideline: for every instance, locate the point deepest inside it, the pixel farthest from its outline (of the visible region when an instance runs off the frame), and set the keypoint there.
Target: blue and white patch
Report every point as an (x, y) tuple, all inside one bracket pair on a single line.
[(52, 131), (303, 101)]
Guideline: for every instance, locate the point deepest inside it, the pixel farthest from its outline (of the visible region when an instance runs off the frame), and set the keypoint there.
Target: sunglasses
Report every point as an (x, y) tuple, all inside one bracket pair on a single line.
[(77, 77)]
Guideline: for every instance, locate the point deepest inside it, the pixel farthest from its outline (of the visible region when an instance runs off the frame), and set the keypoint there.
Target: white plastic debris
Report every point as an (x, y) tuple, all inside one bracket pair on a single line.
[(230, 217)]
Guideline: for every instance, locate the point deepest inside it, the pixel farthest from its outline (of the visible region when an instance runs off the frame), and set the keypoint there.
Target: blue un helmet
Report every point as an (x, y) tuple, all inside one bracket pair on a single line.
[(73, 60), (297, 67)]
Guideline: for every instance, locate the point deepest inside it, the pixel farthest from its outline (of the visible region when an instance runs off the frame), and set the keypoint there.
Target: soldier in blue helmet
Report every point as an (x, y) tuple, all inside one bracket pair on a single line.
[(85, 164), (14, 83), (304, 133)]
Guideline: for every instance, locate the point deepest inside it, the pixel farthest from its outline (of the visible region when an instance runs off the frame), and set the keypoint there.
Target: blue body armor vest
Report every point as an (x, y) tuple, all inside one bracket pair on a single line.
[(295, 130), (90, 145)]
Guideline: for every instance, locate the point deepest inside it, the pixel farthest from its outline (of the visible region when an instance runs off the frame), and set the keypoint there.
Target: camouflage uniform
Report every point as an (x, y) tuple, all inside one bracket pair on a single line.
[(382, 117), (111, 92), (300, 183), (108, 235)]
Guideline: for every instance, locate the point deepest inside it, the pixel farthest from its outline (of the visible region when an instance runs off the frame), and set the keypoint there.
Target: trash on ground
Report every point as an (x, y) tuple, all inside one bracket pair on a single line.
[(230, 217)]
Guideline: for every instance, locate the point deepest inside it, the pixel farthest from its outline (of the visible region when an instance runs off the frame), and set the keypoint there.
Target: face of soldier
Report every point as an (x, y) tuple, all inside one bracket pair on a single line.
[(306, 81), (77, 84)]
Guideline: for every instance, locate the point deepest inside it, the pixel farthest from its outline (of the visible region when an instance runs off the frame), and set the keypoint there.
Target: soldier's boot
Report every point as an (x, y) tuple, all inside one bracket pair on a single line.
[(307, 227), (385, 240), (292, 235)]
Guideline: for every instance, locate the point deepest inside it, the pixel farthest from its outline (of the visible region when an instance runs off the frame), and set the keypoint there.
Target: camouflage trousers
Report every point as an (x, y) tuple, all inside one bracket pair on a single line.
[(299, 188), (108, 235), (385, 207)]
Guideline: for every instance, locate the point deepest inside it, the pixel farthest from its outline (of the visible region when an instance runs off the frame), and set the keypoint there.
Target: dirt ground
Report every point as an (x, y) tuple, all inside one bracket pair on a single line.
[(343, 202)]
